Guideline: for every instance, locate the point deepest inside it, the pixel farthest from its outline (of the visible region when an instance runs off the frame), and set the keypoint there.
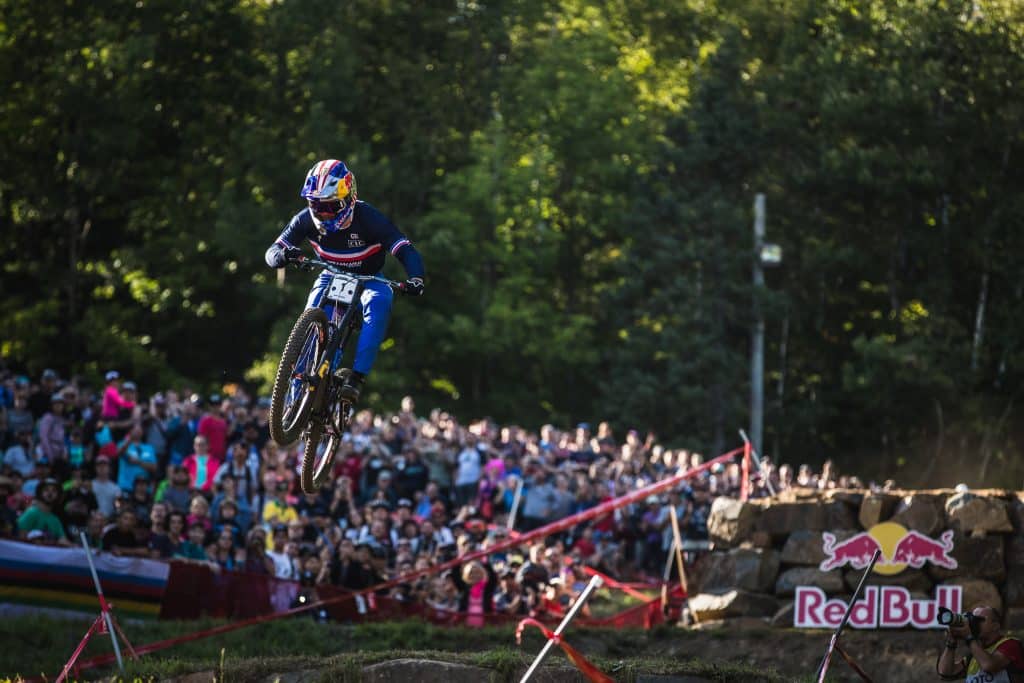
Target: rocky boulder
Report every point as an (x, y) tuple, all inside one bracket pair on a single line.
[(731, 521), (1014, 586), (1013, 619), (831, 582), (1015, 509), (876, 508), (805, 547), (752, 569), (977, 592), (924, 512), (730, 604), (733, 624), (976, 557), (851, 497), (797, 494), (758, 539), (781, 519), (914, 580), (785, 614), (978, 515)]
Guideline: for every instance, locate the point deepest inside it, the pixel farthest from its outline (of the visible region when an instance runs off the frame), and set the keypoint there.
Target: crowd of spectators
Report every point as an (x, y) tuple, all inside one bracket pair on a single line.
[(173, 474)]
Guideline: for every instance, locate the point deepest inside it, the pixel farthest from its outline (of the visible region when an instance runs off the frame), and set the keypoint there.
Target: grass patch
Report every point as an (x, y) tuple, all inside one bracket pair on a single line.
[(605, 603), (39, 645), (505, 665)]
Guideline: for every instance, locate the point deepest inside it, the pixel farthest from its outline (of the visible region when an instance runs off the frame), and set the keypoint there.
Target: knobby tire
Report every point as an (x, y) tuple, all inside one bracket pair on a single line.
[(282, 382), (311, 477)]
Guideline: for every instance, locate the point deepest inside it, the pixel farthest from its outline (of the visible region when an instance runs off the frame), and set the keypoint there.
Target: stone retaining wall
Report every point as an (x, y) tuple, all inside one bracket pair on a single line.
[(764, 548)]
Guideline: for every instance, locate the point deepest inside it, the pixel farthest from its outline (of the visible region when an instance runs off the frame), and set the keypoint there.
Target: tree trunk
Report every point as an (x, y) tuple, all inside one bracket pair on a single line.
[(72, 287), (1008, 344), (78, 231), (780, 390), (979, 322), (987, 446)]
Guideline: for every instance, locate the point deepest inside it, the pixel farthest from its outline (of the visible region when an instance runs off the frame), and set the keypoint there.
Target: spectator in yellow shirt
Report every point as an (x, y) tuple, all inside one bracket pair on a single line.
[(278, 510)]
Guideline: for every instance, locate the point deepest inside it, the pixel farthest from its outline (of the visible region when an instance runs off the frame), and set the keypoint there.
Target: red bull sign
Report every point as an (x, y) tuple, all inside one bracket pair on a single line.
[(879, 607), (900, 549)]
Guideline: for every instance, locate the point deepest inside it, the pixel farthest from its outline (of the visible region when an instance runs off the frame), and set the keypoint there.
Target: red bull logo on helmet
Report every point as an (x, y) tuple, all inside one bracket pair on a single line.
[(900, 548)]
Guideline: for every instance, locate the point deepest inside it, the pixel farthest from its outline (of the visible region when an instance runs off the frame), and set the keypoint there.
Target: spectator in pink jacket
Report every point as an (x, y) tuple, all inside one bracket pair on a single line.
[(201, 466), (113, 402)]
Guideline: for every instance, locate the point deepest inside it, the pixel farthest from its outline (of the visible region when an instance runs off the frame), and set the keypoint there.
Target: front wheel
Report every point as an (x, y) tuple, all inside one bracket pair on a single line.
[(320, 444), (296, 379)]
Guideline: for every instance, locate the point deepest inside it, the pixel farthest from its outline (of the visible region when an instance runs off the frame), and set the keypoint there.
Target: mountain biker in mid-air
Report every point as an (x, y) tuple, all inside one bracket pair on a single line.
[(354, 236)]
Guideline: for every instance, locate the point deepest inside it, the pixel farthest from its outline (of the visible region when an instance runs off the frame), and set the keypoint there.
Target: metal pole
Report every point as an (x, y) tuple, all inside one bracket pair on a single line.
[(103, 602), (819, 675), (595, 583), (515, 504), (757, 339)]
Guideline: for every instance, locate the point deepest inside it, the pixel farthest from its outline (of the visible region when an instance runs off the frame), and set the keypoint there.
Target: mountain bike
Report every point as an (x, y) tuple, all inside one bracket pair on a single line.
[(307, 400)]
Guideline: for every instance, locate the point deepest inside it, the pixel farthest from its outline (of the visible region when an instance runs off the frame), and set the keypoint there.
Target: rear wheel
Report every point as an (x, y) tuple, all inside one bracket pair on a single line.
[(320, 443), (296, 373)]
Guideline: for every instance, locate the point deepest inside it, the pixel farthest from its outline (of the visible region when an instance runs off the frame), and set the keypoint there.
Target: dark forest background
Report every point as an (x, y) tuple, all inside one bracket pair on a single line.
[(579, 177)]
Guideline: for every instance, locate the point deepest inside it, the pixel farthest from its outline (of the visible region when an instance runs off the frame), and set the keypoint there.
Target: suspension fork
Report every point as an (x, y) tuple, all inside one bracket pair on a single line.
[(337, 338)]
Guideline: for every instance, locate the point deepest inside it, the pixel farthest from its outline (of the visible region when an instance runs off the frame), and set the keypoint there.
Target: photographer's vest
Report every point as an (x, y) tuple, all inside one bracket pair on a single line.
[(976, 675)]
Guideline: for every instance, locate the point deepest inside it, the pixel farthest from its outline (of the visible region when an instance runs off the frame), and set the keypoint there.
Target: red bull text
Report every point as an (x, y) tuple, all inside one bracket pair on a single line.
[(880, 607)]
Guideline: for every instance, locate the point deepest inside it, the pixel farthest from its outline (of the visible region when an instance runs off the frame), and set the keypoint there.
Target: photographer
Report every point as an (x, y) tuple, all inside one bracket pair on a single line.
[(992, 656)]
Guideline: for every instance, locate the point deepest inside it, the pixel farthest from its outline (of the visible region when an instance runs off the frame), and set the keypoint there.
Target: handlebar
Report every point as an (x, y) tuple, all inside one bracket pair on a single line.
[(309, 263)]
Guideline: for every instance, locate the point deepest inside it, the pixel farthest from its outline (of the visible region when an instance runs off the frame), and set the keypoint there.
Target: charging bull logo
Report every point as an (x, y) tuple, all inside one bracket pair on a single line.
[(900, 549)]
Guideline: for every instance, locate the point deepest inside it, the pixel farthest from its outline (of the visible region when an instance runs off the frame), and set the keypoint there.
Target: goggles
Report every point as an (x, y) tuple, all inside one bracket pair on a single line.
[(326, 209)]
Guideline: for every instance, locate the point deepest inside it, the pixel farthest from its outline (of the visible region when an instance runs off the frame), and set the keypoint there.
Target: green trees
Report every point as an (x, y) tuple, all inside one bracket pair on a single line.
[(579, 177)]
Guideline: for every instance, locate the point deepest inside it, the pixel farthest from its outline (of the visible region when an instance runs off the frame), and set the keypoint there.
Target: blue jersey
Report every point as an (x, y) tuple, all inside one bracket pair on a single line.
[(361, 248)]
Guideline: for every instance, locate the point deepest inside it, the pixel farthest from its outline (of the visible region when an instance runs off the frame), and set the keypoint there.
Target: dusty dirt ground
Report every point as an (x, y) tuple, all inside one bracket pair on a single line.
[(884, 655)]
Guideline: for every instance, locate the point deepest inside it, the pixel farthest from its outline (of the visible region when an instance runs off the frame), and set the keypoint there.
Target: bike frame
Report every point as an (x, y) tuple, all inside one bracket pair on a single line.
[(341, 323), (342, 320)]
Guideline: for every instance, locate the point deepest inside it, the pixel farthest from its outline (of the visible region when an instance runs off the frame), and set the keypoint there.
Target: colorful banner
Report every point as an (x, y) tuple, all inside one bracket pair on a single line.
[(195, 590), (59, 577)]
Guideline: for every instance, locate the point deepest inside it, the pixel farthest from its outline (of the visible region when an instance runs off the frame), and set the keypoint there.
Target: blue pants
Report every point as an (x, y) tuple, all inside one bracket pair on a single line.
[(376, 302)]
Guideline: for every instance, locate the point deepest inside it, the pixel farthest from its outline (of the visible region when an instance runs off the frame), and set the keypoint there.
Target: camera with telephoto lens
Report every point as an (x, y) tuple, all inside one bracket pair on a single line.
[(948, 617)]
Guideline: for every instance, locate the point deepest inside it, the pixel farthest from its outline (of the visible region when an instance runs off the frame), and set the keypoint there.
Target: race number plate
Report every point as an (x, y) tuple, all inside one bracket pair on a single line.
[(342, 289)]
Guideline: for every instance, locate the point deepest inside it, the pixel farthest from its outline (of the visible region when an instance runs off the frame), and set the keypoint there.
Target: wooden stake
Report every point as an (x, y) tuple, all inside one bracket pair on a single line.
[(678, 543)]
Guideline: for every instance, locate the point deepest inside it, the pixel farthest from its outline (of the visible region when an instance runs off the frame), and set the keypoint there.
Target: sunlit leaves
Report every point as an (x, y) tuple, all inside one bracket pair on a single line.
[(578, 176)]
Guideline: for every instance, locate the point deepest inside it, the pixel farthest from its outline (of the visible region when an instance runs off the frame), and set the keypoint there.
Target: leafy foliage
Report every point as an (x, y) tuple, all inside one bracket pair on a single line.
[(579, 178)]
